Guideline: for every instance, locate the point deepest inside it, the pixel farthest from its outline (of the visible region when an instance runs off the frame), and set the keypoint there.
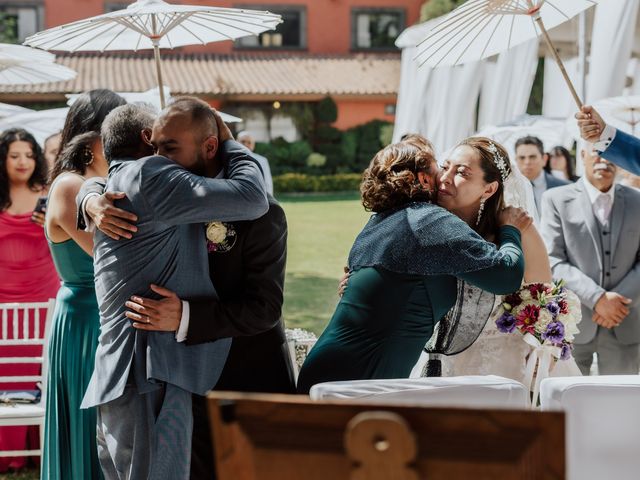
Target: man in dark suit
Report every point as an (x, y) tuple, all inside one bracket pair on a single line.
[(531, 161), (247, 266)]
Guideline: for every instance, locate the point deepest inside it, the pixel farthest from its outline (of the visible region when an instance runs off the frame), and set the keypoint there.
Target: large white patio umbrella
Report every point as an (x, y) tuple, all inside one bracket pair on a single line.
[(479, 29), (41, 123), (552, 132), (155, 24), (150, 97), (8, 110), (622, 112), (24, 65)]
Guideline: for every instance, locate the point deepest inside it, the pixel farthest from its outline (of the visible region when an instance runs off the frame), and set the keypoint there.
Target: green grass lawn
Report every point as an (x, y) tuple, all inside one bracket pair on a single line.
[(321, 232), (30, 474)]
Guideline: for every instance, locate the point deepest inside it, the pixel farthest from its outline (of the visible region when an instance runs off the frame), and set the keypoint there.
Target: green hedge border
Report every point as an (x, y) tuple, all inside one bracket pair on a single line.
[(303, 183)]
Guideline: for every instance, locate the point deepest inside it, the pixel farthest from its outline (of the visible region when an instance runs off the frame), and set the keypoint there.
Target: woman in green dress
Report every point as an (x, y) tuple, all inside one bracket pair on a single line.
[(70, 450), (404, 266)]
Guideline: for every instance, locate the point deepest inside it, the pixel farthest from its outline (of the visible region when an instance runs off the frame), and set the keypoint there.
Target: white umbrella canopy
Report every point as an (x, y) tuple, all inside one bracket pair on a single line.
[(155, 24), (621, 112), (24, 65), (151, 97), (41, 124), (552, 131), (479, 29), (7, 110)]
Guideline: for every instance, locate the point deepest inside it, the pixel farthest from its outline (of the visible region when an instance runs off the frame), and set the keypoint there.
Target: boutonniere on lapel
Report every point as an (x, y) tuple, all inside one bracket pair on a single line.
[(221, 237)]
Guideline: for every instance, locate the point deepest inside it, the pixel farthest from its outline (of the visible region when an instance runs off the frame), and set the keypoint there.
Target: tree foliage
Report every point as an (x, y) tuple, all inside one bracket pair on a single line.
[(436, 8)]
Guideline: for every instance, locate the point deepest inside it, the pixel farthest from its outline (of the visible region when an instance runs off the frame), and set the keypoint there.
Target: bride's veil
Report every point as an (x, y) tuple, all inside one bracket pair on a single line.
[(518, 192), (464, 323)]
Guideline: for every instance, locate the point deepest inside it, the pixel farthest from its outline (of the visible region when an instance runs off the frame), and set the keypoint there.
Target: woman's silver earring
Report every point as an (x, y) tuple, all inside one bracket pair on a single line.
[(482, 201), (89, 157)]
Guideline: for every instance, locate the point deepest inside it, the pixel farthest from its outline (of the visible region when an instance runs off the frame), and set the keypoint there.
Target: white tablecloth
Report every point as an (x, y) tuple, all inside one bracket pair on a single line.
[(603, 424), (467, 392)]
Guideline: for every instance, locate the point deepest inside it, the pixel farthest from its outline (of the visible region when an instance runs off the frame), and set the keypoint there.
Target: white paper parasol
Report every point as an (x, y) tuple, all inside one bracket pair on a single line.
[(482, 28), (21, 65), (155, 24), (621, 112)]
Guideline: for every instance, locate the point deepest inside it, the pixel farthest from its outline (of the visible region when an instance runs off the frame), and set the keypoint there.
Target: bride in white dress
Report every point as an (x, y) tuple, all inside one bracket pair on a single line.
[(470, 188)]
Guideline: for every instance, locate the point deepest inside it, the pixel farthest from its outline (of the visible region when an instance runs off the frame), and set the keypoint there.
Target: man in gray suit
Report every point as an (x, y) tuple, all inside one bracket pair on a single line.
[(143, 381), (592, 233)]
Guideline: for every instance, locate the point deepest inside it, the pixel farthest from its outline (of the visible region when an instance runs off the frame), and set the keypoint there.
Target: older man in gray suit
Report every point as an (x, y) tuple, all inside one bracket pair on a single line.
[(592, 232), (143, 381)]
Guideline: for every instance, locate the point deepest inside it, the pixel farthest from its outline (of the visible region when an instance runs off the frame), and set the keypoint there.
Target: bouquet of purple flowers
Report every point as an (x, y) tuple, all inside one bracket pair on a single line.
[(548, 312), (547, 317)]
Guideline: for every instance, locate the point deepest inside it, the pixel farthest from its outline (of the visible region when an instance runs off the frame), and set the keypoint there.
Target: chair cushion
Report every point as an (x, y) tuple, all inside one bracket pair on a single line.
[(21, 411), (603, 423), (468, 392)]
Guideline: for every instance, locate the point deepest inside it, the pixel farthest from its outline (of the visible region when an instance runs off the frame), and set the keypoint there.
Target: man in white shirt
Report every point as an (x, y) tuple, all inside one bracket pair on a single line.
[(592, 233), (531, 161)]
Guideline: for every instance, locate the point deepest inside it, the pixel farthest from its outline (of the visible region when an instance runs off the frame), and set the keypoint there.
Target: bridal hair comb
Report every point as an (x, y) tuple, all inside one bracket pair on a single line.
[(499, 161)]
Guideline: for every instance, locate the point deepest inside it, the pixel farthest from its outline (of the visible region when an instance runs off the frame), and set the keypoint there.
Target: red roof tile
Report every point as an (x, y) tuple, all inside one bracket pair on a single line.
[(230, 75)]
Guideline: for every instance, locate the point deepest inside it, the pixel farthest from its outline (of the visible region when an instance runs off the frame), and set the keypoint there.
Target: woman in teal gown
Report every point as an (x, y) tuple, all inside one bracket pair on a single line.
[(70, 446), (70, 449), (404, 266)]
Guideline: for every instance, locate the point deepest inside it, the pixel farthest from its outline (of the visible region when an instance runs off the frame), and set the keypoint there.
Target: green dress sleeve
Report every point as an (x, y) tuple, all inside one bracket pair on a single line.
[(505, 277)]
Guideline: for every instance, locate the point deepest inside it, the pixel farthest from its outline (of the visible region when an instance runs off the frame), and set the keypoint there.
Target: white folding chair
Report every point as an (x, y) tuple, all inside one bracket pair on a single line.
[(300, 343), (466, 392), (26, 331), (603, 424)]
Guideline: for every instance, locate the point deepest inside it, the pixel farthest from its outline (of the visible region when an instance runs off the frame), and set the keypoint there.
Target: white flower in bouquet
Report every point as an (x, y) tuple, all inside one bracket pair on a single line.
[(525, 295), (216, 232), (575, 307), (544, 319), (570, 325)]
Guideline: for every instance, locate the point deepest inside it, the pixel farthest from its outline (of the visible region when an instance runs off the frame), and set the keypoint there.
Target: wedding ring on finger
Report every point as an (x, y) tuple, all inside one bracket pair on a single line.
[(148, 318)]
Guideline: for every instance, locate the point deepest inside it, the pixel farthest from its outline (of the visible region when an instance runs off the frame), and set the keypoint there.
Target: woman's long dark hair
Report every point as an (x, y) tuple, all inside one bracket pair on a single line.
[(39, 176), (569, 160), (76, 152), (489, 226), (85, 115)]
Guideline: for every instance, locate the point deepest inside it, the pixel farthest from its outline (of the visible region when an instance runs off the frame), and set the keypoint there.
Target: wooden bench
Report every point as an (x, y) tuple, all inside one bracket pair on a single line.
[(289, 437)]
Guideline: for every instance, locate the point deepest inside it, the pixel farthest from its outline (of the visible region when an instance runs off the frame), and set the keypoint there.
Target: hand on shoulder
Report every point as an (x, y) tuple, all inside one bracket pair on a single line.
[(515, 217)]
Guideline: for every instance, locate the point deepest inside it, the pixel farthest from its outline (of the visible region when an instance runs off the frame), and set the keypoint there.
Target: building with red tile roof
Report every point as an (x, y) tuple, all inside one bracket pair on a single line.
[(339, 48)]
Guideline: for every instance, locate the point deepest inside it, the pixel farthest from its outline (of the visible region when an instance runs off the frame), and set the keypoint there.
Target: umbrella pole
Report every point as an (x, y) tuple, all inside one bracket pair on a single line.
[(558, 60), (156, 55)]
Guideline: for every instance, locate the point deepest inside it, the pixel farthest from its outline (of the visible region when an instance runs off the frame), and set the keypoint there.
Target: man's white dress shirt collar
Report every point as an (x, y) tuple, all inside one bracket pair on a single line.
[(594, 193)]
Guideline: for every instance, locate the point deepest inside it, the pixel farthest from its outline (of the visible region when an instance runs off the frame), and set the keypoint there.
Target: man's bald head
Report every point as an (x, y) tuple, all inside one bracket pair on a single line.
[(187, 133), (197, 112)]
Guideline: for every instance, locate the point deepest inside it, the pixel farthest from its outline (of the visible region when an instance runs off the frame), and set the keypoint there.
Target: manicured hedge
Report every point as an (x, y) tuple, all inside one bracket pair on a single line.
[(344, 152), (303, 183)]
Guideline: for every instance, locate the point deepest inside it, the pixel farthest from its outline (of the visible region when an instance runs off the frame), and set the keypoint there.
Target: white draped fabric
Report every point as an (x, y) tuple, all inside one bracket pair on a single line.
[(441, 104), (451, 100), (507, 85), (410, 109), (611, 43), (633, 73), (557, 101)]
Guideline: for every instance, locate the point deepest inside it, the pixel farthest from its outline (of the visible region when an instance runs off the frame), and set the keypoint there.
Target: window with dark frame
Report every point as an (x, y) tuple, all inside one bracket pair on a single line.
[(115, 6), (376, 28), (20, 20), (291, 34)]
